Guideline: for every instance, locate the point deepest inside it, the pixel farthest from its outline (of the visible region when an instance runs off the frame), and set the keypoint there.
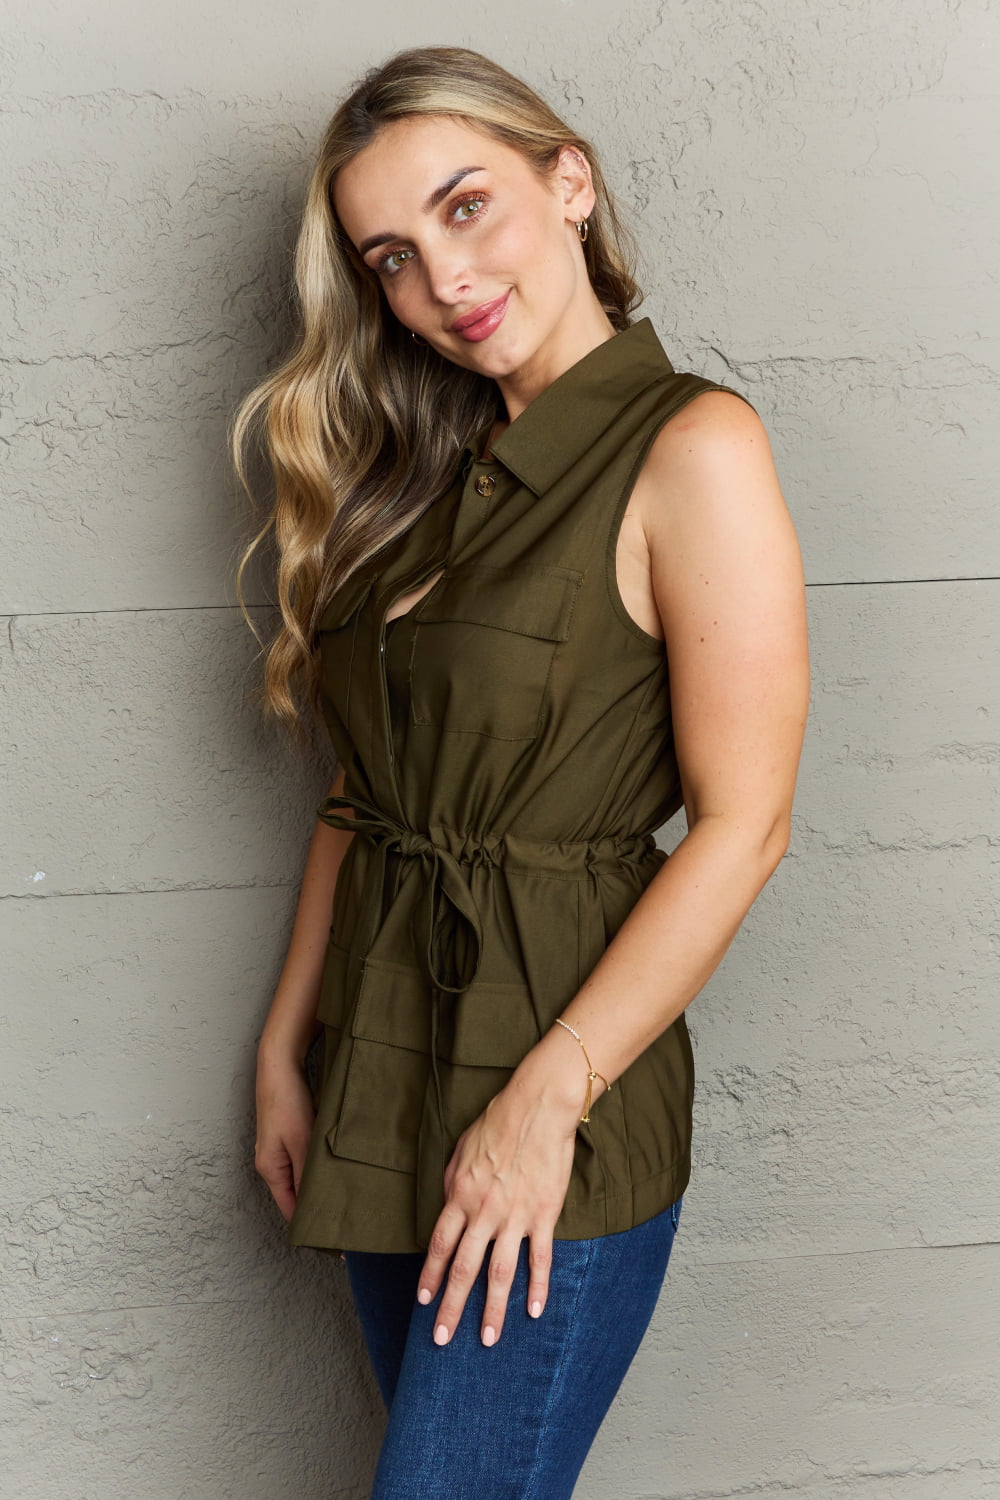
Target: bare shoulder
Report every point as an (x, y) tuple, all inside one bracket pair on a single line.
[(708, 420), (713, 456), (720, 539)]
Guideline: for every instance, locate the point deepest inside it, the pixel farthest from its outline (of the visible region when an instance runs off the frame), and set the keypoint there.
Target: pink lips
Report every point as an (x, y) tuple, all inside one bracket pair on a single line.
[(481, 321)]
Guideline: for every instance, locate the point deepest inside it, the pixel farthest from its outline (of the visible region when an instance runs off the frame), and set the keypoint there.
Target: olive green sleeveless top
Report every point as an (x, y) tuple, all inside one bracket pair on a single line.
[(509, 757)]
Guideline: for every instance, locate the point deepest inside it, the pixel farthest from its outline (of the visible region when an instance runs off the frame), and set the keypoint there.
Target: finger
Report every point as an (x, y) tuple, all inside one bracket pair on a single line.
[(500, 1277), (465, 1267), (277, 1172), (444, 1237), (539, 1268)]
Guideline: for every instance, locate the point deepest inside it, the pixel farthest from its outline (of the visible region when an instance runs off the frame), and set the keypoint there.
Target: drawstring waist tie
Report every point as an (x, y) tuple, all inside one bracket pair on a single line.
[(448, 925)]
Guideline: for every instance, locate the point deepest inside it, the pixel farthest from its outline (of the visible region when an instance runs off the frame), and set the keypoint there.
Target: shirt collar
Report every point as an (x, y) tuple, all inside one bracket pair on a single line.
[(564, 420)]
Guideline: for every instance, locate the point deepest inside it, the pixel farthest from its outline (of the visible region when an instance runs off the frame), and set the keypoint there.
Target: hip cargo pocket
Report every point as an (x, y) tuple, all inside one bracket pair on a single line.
[(388, 1069), (484, 1034)]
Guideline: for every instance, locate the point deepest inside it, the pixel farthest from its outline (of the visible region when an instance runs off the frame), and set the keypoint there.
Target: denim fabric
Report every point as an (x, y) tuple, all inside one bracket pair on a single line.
[(514, 1421)]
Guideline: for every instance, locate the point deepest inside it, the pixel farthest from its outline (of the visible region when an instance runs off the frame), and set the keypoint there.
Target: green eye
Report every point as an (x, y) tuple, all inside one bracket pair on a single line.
[(474, 205), (392, 261)]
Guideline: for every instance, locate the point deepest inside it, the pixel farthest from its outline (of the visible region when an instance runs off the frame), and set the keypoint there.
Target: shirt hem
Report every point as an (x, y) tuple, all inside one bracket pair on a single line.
[(591, 1220)]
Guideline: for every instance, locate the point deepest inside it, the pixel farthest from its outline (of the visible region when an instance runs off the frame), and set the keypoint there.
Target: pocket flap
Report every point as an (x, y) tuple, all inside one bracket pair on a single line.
[(528, 599), (494, 1026), (487, 1025), (393, 1006)]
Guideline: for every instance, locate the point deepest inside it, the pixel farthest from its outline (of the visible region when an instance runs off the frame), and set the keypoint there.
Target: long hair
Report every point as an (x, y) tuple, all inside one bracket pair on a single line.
[(360, 425)]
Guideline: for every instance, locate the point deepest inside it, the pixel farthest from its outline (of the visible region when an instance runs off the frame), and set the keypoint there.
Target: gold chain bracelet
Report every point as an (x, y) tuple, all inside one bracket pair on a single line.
[(592, 1074)]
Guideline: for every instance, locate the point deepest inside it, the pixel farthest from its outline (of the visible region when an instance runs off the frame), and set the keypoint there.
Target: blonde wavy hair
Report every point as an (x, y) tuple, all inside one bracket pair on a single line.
[(361, 426)]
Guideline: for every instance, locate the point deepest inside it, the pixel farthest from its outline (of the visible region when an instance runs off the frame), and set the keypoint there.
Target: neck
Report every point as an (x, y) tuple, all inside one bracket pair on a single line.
[(575, 337)]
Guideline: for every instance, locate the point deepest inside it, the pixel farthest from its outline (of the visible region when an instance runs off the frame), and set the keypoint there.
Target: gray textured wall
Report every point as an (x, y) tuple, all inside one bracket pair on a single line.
[(820, 227)]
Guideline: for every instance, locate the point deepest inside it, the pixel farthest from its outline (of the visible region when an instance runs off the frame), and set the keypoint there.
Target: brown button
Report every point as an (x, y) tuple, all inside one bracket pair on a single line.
[(486, 484)]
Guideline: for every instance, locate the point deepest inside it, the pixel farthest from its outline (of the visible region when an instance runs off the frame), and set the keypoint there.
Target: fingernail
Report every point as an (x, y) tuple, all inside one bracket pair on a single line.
[(440, 1334), (489, 1335), (536, 1309), (424, 1295)]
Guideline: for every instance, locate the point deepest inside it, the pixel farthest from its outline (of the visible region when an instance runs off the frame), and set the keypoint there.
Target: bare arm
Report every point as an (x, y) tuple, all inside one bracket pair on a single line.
[(284, 1103), (291, 1022)]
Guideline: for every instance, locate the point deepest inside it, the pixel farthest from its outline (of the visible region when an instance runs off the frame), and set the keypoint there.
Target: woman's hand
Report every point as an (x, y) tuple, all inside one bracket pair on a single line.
[(506, 1178), (285, 1116)]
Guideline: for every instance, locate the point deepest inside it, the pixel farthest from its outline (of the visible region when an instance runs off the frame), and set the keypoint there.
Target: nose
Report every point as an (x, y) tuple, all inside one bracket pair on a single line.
[(448, 273)]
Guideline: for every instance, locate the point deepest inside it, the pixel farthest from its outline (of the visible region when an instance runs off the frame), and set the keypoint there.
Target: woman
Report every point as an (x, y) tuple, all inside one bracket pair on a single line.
[(499, 514)]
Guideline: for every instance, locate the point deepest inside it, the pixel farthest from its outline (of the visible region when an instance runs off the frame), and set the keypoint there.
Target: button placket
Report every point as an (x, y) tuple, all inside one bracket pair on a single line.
[(480, 487)]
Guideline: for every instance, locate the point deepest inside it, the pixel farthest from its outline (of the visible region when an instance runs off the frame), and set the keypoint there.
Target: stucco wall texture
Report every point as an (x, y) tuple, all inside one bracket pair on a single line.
[(815, 191)]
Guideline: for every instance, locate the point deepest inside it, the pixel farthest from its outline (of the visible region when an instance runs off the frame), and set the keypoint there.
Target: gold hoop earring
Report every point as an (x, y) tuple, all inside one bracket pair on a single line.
[(582, 229), (417, 339)]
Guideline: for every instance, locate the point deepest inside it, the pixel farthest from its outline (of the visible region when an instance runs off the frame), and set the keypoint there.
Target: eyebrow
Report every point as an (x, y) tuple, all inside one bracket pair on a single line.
[(438, 196)]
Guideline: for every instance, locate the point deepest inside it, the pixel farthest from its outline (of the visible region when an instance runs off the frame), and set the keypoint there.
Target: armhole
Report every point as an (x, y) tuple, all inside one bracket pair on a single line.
[(611, 544)]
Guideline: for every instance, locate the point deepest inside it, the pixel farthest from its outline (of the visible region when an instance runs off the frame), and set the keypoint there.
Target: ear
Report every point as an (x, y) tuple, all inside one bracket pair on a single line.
[(573, 183)]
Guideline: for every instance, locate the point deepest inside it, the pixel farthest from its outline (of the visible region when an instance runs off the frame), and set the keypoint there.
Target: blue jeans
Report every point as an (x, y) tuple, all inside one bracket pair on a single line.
[(516, 1420)]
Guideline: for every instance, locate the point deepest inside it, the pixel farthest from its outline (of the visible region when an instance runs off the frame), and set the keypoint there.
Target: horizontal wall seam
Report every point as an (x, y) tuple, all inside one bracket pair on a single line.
[(166, 609), (752, 1260), (152, 890)]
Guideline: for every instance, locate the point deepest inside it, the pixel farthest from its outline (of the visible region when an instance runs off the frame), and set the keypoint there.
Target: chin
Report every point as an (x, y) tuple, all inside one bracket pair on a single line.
[(483, 360), (499, 357)]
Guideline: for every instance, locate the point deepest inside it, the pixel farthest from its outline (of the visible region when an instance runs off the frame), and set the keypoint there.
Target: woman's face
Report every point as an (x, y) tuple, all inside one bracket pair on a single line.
[(474, 252)]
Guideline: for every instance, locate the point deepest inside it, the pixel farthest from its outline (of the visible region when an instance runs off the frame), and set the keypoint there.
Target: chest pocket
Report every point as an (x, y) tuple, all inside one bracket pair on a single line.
[(483, 646), (338, 630)]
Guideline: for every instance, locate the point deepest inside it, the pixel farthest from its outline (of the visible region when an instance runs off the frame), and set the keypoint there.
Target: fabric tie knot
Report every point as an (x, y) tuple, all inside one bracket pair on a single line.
[(410, 841)]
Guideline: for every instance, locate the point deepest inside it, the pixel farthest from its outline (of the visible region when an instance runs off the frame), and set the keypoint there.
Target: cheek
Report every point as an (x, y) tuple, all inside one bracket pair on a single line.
[(404, 295), (524, 245)]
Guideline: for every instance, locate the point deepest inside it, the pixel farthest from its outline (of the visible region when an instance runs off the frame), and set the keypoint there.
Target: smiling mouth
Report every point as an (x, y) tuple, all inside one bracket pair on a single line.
[(482, 319)]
